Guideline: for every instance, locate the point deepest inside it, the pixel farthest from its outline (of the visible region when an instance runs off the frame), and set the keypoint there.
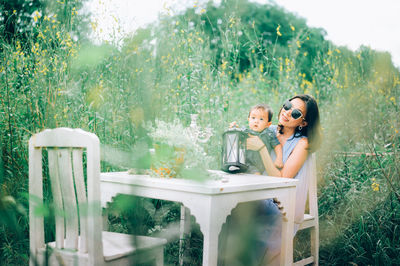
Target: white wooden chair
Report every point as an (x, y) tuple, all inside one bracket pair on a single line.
[(311, 219), (79, 239)]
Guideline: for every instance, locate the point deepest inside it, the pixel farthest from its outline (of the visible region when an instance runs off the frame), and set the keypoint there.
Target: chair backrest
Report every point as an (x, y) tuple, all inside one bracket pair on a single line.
[(77, 208), (312, 189)]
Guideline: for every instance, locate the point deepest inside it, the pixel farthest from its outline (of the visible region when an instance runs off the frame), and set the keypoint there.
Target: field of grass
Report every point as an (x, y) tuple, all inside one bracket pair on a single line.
[(176, 68)]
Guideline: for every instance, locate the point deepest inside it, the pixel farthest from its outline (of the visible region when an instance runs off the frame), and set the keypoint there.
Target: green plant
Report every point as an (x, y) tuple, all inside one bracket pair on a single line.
[(177, 151)]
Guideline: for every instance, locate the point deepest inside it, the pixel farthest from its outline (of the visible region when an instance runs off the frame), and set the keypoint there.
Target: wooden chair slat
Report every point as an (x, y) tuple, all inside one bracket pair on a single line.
[(69, 198), (57, 197), (36, 232), (77, 158)]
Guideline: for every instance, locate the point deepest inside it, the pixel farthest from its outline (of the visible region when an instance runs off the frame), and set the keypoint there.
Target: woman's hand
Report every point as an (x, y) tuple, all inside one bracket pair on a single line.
[(254, 143)]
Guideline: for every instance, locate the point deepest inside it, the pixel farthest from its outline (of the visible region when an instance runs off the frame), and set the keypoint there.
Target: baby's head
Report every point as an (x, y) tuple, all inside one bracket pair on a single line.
[(260, 117)]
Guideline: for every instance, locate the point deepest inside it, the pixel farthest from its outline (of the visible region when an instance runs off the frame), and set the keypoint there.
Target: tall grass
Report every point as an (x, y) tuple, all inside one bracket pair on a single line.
[(169, 71)]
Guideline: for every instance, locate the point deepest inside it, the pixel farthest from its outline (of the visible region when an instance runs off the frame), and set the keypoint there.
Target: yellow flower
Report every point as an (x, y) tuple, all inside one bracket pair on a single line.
[(277, 30), (223, 66), (44, 70), (94, 25), (14, 11), (375, 186), (393, 100), (202, 11), (261, 68), (36, 15), (292, 27)]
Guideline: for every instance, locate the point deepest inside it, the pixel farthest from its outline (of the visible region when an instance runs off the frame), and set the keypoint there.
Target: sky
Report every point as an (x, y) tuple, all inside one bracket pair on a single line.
[(350, 23)]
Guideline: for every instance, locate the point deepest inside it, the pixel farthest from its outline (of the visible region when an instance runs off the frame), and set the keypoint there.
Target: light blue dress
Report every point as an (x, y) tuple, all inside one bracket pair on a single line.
[(303, 175), (273, 242), (264, 227)]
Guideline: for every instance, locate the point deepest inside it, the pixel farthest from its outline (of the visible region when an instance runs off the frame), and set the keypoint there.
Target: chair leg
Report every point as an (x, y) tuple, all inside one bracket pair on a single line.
[(314, 235), (105, 220), (159, 256)]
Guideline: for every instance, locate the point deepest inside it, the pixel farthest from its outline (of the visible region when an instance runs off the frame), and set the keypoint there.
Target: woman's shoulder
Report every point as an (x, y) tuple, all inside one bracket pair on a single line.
[(297, 140), (303, 142)]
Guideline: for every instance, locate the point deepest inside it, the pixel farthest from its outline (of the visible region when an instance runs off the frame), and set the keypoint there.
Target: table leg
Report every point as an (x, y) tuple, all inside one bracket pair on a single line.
[(210, 218), (210, 246), (184, 231), (288, 203)]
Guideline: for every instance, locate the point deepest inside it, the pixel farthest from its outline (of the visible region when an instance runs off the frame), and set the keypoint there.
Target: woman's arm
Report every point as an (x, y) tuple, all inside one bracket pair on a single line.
[(293, 163)]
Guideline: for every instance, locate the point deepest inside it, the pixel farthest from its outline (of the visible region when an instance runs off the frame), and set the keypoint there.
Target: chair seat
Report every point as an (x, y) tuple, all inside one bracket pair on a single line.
[(305, 261), (117, 245), (309, 221)]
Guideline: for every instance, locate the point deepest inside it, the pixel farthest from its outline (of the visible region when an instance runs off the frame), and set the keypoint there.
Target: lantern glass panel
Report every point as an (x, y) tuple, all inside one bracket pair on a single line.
[(234, 151), (232, 147), (242, 156)]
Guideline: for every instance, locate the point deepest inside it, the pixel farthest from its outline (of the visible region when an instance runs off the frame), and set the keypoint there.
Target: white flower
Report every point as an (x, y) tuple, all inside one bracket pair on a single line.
[(174, 134)]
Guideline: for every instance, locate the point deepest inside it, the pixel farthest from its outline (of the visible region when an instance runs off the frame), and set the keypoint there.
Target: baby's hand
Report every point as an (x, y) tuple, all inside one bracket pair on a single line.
[(280, 207), (278, 164), (233, 124)]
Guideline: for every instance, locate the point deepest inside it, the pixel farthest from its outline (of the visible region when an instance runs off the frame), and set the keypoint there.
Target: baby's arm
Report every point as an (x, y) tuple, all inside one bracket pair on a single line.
[(279, 160)]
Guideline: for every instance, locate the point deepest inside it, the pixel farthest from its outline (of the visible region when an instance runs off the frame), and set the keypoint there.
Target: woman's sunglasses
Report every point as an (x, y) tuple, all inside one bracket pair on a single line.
[(296, 113)]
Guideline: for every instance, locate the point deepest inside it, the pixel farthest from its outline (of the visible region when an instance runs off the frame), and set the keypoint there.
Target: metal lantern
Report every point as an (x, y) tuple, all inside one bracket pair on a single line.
[(234, 151)]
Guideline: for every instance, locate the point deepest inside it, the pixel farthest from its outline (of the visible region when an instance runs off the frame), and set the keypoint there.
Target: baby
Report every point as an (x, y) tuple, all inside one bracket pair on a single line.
[(259, 121)]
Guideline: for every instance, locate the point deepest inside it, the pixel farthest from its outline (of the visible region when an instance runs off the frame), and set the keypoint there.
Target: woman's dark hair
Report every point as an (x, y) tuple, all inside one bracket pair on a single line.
[(313, 129)]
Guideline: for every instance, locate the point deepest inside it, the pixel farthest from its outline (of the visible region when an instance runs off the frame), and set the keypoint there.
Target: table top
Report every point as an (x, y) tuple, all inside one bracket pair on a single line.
[(219, 182)]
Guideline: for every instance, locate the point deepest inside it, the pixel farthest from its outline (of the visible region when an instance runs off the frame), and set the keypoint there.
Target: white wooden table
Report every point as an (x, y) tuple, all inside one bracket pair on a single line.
[(210, 201)]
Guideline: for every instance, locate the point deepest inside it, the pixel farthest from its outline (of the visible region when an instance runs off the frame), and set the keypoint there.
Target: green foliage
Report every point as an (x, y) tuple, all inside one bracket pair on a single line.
[(16, 17), (216, 63), (372, 238), (245, 33), (19, 18)]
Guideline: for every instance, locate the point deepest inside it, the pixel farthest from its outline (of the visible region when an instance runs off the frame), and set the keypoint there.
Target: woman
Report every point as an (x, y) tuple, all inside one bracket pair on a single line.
[(299, 132)]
